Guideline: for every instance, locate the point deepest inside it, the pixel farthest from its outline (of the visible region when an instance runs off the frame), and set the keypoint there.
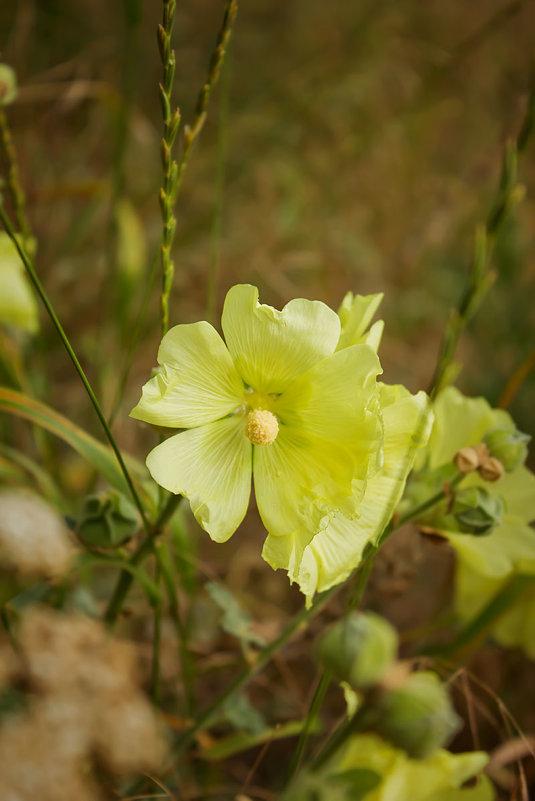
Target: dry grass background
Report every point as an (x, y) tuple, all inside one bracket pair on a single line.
[(362, 142)]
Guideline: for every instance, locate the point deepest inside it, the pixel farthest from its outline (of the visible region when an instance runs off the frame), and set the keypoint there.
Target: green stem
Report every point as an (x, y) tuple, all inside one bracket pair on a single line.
[(63, 336), (356, 723), (13, 179), (478, 628), (481, 278), (157, 642), (144, 549), (166, 566), (319, 695)]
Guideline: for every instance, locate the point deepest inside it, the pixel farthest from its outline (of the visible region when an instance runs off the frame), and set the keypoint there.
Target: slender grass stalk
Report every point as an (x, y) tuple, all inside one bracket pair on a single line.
[(68, 347), (508, 194), (317, 700), (188, 668), (217, 219), (171, 123), (173, 171), (156, 642), (13, 179)]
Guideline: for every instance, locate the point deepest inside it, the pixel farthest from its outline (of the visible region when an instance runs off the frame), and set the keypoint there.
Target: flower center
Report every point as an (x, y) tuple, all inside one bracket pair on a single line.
[(261, 427)]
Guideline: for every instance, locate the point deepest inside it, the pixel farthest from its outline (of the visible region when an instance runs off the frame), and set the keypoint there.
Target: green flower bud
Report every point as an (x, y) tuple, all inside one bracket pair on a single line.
[(359, 649), (477, 511), (507, 445), (417, 716), (107, 520), (8, 85)]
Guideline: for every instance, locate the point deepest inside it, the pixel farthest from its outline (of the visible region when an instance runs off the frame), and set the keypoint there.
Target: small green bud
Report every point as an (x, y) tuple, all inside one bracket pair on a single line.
[(477, 511), (107, 520), (507, 445), (417, 716), (8, 85), (359, 649)]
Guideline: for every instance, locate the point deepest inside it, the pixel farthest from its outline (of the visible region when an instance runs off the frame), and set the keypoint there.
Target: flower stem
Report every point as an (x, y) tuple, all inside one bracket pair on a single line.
[(144, 549), (13, 180), (317, 700), (63, 336), (515, 589)]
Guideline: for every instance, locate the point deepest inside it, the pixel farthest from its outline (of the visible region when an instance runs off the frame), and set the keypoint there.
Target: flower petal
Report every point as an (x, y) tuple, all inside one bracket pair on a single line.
[(510, 546), (518, 491), (198, 382), (211, 466), (460, 422), (335, 552), (18, 303), (329, 443), (272, 348), (356, 313)]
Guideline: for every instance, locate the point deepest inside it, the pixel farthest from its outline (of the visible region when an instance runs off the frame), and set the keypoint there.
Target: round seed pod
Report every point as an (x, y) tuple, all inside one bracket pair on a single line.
[(417, 716), (359, 649)]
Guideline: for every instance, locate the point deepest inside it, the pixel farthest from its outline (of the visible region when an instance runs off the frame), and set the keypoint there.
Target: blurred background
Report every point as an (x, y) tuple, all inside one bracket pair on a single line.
[(348, 146)]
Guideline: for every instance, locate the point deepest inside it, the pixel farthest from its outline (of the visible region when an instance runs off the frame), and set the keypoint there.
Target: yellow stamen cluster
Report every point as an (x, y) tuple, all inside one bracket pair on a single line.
[(262, 427)]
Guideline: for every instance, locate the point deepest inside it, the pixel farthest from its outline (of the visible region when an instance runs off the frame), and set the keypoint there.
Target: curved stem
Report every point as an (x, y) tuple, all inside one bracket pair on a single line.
[(63, 336)]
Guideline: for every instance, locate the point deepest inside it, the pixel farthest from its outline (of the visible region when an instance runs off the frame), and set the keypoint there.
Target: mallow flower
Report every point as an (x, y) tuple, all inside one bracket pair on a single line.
[(290, 398), (277, 402), (486, 561)]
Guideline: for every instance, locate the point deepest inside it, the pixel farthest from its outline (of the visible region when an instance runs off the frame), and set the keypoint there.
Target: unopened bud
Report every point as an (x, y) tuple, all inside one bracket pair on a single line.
[(477, 511), (466, 460), (418, 716), (107, 520), (359, 649), (491, 469), (507, 445), (8, 85)]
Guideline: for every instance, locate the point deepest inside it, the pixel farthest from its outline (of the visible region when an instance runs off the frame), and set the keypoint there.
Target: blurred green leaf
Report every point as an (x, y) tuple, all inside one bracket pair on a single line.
[(235, 620), (242, 741), (239, 711), (98, 455)]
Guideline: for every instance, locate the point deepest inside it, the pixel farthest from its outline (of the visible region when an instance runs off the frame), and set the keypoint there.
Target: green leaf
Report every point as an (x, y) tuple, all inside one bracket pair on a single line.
[(23, 465), (235, 620), (239, 711), (242, 741), (98, 455)]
